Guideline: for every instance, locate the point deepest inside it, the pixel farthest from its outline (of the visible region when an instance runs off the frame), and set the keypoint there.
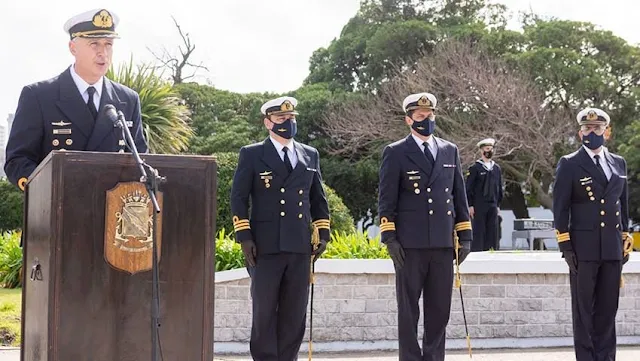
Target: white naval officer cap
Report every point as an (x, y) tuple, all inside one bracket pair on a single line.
[(593, 116), (419, 101), (281, 105), (487, 141), (96, 23)]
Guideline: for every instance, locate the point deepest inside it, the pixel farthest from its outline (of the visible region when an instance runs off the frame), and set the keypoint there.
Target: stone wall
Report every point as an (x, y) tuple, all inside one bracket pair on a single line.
[(512, 299)]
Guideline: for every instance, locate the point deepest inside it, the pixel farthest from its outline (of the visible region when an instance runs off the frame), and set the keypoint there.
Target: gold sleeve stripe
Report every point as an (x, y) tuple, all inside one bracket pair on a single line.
[(322, 223), (388, 227), (243, 228), (22, 182), (463, 226), (237, 220), (562, 237)]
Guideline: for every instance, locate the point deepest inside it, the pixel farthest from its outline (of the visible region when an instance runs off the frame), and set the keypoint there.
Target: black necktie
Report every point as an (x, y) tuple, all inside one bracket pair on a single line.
[(597, 158), (91, 104), (287, 162), (427, 153)]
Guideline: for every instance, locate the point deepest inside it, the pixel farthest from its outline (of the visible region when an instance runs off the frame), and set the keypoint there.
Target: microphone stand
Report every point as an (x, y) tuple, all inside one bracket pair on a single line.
[(151, 179)]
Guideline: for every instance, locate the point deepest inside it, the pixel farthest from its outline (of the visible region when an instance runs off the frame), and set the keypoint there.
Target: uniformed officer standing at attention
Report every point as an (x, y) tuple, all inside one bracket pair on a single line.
[(67, 111), (282, 180), (484, 194), (421, 202), (590, 211)]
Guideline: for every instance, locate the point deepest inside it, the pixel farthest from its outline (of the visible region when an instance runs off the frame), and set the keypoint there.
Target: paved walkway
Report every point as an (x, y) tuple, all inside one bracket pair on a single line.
[(564, 354)]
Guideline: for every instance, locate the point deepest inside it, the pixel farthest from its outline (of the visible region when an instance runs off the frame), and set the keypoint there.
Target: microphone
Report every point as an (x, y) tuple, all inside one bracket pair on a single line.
[(111, 113)]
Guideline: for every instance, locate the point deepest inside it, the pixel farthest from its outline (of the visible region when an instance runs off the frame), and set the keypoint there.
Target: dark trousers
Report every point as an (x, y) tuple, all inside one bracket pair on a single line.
[(429, 272), (595, 292), (279, 288), (485, 228)]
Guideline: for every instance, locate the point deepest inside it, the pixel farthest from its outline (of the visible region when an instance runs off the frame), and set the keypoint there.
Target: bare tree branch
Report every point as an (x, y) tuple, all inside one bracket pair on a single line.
[(177, 64), (478, 97)]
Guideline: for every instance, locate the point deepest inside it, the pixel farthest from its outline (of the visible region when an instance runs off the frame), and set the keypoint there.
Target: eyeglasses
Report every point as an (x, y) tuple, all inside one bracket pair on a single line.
[(598, 129)]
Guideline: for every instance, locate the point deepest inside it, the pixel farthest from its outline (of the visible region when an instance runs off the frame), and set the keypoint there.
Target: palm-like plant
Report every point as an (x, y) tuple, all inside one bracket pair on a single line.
[(165, 119)]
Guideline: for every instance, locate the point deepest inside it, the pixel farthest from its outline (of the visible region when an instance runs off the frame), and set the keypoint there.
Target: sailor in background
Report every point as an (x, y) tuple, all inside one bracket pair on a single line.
[(421, 203), (591, 216), (67, 111), (484, 194), (281, 179)]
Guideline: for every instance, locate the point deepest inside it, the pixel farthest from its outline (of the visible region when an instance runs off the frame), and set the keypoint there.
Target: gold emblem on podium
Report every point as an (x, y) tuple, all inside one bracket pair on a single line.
[(129, 233)]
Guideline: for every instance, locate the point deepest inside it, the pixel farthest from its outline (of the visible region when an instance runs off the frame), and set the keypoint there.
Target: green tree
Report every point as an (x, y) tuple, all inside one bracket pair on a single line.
[(165, 119), (223, 121), (11, 206), (227, 163)]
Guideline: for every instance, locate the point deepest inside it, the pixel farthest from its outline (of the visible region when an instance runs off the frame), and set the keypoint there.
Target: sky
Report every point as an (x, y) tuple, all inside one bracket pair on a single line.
[(247, 45)]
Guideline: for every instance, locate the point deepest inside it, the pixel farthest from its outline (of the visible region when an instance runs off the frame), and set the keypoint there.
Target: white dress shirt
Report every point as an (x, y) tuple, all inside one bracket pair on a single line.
[(602, 160), (291, 152), (83, 86), (431, 142)]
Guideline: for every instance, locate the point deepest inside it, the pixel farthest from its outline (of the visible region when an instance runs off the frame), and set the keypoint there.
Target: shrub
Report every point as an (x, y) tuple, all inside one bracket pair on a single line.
[(342, 246), (228, 252), (341, 219), (10, 260), (10, 206), (354, 246)]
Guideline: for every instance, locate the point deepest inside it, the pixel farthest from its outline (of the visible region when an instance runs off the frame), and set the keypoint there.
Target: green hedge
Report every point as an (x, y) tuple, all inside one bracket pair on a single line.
[(341, 219), (342, 246)]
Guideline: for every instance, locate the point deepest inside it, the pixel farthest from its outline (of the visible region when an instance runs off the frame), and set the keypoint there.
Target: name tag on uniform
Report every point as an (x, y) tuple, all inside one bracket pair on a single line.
[(449, 165), (312, 169), (62, 131)]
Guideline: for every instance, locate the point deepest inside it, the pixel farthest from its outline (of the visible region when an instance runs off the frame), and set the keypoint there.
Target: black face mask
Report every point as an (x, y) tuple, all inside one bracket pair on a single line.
[(424, 127), (286, 130), (488, 153)]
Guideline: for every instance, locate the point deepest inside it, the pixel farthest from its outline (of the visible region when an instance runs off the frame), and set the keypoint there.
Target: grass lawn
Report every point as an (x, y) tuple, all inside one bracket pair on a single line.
[(10, 306)]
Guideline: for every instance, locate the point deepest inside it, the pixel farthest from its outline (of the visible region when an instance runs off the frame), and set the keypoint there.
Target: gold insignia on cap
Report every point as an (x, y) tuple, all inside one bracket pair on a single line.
[(592, 115), (424, 101), (103, 19), (286, 106)]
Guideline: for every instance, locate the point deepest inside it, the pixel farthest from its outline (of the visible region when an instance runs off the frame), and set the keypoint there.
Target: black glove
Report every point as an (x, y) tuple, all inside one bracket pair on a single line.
[(396, 252), (249, 250), (572, 261), (463, 251), (322, 246)]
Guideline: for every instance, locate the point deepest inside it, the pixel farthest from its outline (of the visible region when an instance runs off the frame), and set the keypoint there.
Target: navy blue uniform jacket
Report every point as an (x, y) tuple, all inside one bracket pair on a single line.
[(479, 178), (51, 115), (284, 207), (419, 205), (591, 214)]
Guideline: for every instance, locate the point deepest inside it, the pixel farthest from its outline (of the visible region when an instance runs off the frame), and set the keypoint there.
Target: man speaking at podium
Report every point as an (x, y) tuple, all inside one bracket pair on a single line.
[(67, 112)]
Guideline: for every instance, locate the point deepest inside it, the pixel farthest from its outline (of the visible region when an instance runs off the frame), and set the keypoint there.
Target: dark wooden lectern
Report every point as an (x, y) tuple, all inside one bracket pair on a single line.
[(77, 306)]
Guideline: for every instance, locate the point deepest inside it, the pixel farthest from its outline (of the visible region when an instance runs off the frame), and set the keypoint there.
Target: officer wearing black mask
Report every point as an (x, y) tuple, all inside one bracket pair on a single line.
[(421, 203), (484, 194), (591, 216)]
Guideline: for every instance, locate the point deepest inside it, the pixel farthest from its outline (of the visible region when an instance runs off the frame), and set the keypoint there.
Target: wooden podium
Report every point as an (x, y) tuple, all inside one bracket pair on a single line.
[(87, 291)]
